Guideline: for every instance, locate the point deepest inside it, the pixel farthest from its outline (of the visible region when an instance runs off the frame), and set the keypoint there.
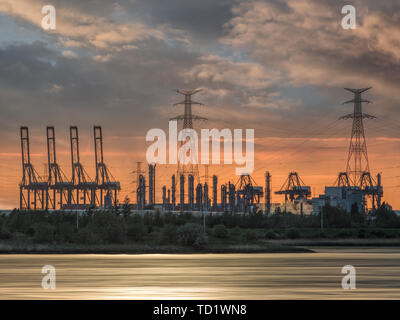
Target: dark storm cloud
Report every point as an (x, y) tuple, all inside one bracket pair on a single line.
[(305, 41), (296, 61), (203, 20), (40, 84)]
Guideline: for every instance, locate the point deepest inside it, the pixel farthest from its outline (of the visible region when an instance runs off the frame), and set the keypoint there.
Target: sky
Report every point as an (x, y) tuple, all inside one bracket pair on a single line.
[(278, 67)]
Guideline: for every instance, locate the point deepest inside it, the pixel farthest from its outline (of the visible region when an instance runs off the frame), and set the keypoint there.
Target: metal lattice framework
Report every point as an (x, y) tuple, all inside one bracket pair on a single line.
[(248, 193), (343, 180), (374, 190), (294, 188), (58, 192), (83, 185), (188, 117), (57, 180), (105, 182), (357, 159), (33, 190)]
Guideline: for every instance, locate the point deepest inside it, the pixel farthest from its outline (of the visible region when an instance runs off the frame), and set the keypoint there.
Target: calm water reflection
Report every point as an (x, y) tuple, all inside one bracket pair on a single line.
[(226, 276)]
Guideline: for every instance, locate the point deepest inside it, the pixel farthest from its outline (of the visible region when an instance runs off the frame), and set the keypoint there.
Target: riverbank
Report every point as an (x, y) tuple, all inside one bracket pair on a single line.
[(111, 232), (263, 246), (350, 242), (13, 248)]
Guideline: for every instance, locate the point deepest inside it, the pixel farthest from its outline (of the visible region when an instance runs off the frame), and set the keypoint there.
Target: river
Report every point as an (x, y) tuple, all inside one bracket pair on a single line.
[(205, 276)]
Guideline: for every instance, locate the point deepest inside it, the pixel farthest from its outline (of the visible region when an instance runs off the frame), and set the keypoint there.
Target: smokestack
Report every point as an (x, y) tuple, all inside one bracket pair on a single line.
[(173, 187), (223, 197), (215, 191), (182, 192), (205, 196), (152, 184), (267, 192), (380, 191), (164, 197), (199, 197), (191, 192)]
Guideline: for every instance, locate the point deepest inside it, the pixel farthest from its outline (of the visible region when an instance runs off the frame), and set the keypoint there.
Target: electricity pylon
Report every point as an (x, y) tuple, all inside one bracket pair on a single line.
[(357, 159), (192, 167)]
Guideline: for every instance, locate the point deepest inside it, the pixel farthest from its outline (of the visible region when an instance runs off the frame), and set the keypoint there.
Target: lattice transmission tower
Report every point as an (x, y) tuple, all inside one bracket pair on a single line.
[(191, 168), (357, 159)]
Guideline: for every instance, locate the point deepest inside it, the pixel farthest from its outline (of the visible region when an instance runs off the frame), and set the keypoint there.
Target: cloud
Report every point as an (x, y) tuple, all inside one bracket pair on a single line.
[(78, 27), (69, 54), (304, 39), (237, 85), (216, 70)]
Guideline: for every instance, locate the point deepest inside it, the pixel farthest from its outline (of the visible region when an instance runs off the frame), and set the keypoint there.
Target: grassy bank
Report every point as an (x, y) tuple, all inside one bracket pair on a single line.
[(350, 242), (125, 232), (13, 248)]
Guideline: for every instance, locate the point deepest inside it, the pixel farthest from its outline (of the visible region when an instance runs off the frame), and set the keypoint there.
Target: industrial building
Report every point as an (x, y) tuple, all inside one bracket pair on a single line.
[(243, 196), (341, 197)]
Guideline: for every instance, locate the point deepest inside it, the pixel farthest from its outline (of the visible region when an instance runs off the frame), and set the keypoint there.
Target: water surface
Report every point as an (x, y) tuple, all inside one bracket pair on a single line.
[(205, 276)]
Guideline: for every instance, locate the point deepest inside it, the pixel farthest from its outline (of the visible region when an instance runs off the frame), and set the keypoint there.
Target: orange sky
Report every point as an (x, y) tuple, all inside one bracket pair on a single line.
[(318, 160)]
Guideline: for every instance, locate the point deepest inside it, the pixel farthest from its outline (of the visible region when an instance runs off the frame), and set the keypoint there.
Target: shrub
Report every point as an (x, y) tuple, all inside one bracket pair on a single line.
[(361, 233), (236, 230), (65, 232), (5, 234), (220, 231), (108, 227), (250, 235), (321, 234), (201, 240), (86, 236), (386, 218), (43, 232), (126, 207), (389, 234), (169, 233), (271, 235), (293, 234), (189, 232), (344, 234), (136, 230), (377, 233)]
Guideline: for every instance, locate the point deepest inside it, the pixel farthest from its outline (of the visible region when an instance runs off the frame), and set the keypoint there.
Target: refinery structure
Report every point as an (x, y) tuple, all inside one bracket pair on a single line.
[(355, 187)]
